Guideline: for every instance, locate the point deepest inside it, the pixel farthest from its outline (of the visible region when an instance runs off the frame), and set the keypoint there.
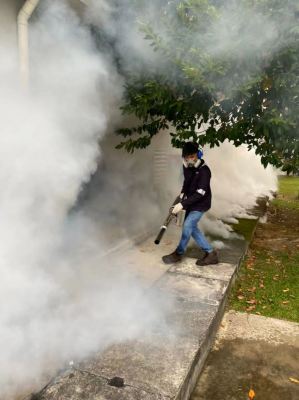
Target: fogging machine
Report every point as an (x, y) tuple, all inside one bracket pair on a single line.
[(167, 221)]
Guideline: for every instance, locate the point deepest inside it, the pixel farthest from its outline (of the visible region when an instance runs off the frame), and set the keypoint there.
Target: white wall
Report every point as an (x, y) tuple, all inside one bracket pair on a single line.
[(8, 22)]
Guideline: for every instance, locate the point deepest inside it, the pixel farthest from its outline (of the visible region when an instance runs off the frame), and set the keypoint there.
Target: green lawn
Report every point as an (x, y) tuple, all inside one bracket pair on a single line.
[(288, 196), (268, 285), (289, 186), (268, 281), (245, 227)]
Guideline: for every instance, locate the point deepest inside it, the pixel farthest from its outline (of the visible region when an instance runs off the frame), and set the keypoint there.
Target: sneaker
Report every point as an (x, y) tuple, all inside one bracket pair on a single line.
[(209, 259), (172, 258)]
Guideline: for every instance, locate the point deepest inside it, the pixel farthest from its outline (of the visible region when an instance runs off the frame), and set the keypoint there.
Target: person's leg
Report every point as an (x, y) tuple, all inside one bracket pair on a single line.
[(190, 224), (176, 255), (211, 256), (200, 238), (190, 228)]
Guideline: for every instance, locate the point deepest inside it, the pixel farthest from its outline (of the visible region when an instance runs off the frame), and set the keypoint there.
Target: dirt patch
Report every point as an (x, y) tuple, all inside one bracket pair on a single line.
[(264, 363), (280, 232)]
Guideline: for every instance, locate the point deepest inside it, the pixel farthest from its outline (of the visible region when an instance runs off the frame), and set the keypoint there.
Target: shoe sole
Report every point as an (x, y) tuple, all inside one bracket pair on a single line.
[(170, 262), (210, 263)]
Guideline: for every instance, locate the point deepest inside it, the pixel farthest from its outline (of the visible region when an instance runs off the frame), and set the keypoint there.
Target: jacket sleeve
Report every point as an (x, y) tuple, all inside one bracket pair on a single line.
[(202, 187), (184, 188)]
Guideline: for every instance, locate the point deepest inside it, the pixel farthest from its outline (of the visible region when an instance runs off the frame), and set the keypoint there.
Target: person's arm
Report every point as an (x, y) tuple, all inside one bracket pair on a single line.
[(184, 188), (178, 207), (203, 185)]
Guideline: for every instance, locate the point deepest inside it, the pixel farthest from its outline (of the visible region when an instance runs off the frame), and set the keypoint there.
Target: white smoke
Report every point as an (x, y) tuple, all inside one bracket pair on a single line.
[(59, 299), (238, 179)]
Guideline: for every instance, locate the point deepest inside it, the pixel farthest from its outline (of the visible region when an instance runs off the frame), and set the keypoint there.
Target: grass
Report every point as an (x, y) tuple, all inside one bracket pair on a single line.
[(268, 282), (268, 285), (288, 193), (290, 204), (245, 227), (289, 186)]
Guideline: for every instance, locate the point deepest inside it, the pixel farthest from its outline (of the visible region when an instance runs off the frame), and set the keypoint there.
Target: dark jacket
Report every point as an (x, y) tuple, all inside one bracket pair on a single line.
[(196, 188)]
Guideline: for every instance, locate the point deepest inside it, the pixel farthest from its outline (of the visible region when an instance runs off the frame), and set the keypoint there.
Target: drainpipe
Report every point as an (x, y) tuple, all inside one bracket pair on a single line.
[(23, 18)]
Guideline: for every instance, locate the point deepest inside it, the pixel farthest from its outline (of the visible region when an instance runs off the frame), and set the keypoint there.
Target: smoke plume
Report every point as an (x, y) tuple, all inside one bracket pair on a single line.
[(66, 194), (59, 298)]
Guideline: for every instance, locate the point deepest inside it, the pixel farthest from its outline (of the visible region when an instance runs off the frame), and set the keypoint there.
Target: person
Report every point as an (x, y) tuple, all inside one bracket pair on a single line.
[(196, 199)]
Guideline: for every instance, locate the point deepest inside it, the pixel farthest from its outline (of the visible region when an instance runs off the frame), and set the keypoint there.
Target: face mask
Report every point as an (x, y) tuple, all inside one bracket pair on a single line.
[(191, 163)]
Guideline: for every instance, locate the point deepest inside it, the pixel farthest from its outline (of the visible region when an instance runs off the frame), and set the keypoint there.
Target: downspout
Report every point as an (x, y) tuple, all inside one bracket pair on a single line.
[(23, 18)]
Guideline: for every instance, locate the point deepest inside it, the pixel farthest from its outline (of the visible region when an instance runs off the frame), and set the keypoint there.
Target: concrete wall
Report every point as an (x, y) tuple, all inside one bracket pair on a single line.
[(8, 19), (8, 22)]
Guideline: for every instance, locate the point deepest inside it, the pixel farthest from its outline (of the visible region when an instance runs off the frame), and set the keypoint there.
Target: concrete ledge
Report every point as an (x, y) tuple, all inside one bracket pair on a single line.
[(222, 272), (166, 363)]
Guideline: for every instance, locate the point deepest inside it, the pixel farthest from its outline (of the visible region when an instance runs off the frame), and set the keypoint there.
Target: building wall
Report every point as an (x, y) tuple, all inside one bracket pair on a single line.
[(8, 19), (8, 22)]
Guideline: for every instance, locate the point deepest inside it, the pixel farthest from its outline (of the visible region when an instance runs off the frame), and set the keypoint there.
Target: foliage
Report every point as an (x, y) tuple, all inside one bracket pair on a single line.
[(211, 90)]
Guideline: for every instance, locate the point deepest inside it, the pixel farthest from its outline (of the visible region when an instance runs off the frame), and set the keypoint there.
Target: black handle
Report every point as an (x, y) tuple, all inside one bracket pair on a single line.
[(160, 235)]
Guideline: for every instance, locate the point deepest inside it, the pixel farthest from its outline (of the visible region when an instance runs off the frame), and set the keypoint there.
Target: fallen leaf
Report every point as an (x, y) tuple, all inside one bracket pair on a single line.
[(250, 308), (286, 290), (251, 394), (285, 302), (241, 297), (294, 380), (262, 286), (252, 301)]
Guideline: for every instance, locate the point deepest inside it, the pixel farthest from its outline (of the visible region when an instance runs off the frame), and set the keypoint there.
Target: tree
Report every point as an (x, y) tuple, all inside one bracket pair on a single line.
[(221, 77)]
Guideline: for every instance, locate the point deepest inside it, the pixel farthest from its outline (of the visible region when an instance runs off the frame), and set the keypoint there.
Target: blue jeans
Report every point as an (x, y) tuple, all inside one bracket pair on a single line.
[(190, 229)]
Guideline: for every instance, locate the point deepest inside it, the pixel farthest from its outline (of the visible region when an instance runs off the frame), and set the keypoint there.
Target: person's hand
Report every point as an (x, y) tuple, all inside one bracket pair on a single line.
[(177, 208), (181, 196)]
